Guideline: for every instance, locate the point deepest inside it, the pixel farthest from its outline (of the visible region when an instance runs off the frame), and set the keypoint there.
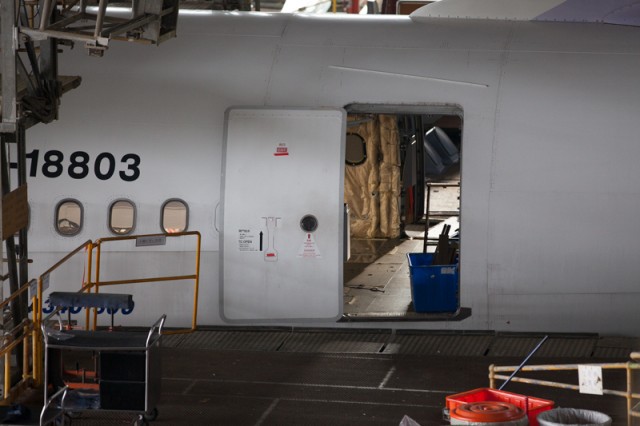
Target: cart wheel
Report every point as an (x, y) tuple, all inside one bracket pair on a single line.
[(140, 421), (64, 421), (152, 415)]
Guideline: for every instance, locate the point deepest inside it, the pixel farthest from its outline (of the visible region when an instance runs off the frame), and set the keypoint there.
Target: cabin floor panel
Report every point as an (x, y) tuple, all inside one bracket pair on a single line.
[(376, 275), (381, 290), (398, 301)]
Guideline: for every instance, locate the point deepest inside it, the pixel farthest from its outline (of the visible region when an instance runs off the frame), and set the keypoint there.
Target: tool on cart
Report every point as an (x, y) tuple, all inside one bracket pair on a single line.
[(445, 252), (538, 346)]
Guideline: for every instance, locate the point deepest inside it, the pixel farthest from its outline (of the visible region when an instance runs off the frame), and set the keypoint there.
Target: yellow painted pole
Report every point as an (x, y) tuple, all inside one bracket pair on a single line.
[(38, 358), (197, 283), (97, 283), (34, 356), (7, 374), (629, 395), (87, 319), (25, 353), (492, 378)]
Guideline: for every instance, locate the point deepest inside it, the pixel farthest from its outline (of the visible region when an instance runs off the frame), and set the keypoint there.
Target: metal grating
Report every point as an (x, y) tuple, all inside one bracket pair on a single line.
[(172, 340), (432, 344), (617, 348), (234, 340), (621, 354), (567, 348), (513, 346), (444, 345), (335, 342)]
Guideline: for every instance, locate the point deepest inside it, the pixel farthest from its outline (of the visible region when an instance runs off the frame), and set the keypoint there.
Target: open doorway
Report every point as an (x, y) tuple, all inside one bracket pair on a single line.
[(402, 191)]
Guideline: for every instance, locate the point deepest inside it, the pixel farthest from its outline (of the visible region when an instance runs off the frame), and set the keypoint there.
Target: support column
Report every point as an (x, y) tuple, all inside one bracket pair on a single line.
[(420, 170), (8, 41)]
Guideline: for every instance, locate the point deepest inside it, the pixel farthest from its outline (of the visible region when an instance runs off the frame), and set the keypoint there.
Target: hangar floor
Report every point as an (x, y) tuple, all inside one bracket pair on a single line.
[(261, 377)]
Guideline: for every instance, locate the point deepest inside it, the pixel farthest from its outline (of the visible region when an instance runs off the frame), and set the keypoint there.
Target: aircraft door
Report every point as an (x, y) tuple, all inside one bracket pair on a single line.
[(282, 215)]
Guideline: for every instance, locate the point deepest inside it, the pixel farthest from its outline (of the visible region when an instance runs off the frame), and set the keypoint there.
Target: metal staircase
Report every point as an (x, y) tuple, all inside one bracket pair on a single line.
[(31, 35)]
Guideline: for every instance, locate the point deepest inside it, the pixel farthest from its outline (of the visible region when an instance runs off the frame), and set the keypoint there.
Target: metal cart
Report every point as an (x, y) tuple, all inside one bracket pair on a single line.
[(125, 375)]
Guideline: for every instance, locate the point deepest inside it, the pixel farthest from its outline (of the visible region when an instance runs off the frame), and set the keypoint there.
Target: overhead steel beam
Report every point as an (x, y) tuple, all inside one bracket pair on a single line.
[(153, 21)]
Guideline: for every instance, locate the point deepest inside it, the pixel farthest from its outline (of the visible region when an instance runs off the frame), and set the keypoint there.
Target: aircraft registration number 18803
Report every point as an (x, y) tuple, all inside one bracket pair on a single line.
[(79, 165)]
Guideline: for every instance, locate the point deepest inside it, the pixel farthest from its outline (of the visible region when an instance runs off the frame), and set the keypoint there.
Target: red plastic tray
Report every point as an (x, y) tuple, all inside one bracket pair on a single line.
[(531, 405)]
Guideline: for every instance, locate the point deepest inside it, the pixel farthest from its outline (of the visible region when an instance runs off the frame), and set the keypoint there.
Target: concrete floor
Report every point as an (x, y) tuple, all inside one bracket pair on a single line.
[(260, 377)]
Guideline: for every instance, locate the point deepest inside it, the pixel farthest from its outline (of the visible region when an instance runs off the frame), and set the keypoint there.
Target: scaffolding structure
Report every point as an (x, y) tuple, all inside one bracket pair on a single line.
[(32, 32)]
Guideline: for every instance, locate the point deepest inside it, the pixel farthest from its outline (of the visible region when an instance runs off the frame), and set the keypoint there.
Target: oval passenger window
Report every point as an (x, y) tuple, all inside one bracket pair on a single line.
[(69, 217), (175, 217), (122, 216)]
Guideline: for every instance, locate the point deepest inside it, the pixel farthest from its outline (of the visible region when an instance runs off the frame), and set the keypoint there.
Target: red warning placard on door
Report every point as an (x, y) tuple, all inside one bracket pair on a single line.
[(309, 248), (281, 150)]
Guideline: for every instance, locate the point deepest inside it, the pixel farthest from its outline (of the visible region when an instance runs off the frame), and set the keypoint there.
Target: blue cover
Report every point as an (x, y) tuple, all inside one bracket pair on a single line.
[(433, 288), (112, 301)]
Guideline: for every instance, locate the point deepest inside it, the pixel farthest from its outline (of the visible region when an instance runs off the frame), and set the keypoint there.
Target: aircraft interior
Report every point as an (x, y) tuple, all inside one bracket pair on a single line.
[(413, 158)]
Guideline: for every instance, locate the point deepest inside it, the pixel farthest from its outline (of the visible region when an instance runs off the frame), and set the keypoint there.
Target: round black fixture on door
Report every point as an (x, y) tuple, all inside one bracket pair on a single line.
[(309, 223)]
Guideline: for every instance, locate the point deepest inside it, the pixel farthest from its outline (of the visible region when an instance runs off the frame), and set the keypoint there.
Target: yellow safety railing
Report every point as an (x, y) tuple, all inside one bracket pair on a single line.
[(97, 283), (30, 338), (13, 339), (628, 366), (38, 302)]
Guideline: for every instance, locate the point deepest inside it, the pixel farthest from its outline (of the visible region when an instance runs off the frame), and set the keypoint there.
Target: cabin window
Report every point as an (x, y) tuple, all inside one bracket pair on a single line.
[(69, 216), (356, 150), (122, 217), (175, 216)]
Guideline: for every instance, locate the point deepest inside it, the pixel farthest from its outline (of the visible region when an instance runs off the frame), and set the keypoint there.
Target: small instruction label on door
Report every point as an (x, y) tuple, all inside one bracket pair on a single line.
[(309, 248), (248, 240), (281, 150)]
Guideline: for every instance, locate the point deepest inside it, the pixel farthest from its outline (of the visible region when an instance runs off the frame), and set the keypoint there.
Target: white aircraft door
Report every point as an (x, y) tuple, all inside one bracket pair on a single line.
[(282, 215)]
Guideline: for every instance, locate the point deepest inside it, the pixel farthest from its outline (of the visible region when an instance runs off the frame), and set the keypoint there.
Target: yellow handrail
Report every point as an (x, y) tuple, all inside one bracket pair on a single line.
[(628, 366), (13, 296), (196, 276), (31, 328), (37, 343), (88, 246), (10, 342)]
